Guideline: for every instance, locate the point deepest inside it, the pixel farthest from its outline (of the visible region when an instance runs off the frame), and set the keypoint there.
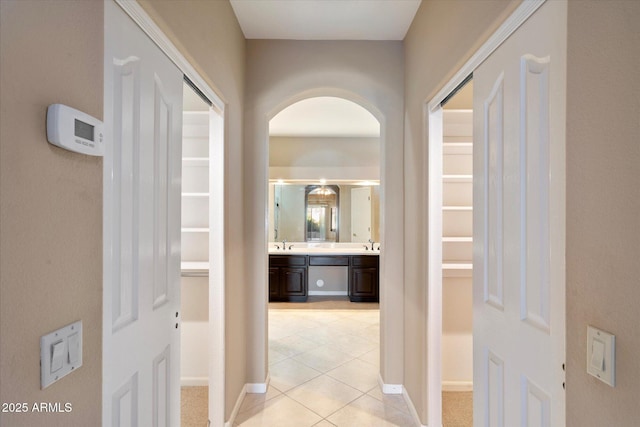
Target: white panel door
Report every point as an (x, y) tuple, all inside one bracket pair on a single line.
[(142, 170), (361, 214), (519, 226)]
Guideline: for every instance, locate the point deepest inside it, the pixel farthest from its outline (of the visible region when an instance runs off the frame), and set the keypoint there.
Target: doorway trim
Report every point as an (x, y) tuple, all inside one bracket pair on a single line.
[(381, 117), (433, 119), (217, 120)]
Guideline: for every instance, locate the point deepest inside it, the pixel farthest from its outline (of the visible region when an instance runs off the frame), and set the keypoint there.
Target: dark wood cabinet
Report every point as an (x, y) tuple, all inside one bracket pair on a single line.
[(328, 260), (364, 278), (288, 278), (274, 283)]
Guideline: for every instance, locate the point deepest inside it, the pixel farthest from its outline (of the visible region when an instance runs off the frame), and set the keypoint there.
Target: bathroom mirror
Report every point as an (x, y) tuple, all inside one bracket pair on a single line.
[(355, 216), (321, 207)]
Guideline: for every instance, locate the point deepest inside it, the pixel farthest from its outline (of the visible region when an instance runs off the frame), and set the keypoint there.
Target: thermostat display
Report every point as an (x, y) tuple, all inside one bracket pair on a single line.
[(74, 130), (84, 130)]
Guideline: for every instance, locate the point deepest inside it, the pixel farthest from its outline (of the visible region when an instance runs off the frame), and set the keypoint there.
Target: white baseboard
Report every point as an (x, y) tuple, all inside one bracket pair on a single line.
[(247, 388), (236, 407), (457, 385), (328, 293), (258, 387), (412, 409), (389, 388), (194, 381)]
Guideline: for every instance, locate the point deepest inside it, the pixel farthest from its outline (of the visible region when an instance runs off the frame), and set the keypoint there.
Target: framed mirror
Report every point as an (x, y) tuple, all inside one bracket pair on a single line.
[(355, 216), (321, 213)]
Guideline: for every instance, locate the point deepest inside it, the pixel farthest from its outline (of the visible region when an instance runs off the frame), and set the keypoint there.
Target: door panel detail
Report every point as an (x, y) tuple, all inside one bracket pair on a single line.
[(125, 404), (163, 111), (493, 158), (142, 167), (535, 405), (161, 387), (519, 231), (495, 391), (534, 179), (126, 157)]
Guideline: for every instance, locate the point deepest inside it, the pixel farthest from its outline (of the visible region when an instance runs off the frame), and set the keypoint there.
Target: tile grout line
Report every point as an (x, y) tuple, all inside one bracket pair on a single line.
[(361, 333)]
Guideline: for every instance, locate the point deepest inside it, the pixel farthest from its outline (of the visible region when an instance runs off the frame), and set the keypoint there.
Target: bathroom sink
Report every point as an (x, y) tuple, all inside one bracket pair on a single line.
[(310, 249)]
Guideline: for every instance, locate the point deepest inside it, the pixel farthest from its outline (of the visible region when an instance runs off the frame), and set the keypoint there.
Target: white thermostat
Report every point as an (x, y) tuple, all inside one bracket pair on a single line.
[(74, 130)]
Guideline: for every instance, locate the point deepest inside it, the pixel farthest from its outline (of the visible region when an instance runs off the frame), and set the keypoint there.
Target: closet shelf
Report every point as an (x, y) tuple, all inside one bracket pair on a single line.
[(457, 178), (195, 161), (195, 194), (195, 230), (449, 148), (195, 269), (457, 239), (458, 208), (457, 266), (457, 269)]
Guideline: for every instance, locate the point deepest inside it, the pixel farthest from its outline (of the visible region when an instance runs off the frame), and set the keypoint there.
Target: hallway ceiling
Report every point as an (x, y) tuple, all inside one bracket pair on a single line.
[(325, 19)]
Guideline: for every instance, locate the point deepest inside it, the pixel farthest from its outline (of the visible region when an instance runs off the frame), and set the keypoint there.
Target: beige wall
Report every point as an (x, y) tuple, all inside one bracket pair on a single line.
[(47, 260), (304, 151), (430, 61), (462, 100), (51, 205), (330, 158), (51, 223), (280, 73), (209, 36), (603, 205)]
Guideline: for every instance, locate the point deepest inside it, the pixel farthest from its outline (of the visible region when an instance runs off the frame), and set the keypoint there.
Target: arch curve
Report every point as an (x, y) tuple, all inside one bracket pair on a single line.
[(327, 92)]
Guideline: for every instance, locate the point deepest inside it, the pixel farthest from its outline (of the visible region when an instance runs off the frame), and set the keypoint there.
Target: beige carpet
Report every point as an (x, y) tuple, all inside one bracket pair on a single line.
[(325, 303), (457, 409), (193, 406)]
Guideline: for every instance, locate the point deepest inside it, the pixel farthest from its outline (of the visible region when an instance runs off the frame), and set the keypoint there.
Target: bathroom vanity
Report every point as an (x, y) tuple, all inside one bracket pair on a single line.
[(289, 272)]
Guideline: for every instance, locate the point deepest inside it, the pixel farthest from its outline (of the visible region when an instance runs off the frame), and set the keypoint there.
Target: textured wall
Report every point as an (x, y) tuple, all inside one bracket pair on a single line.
[(603, 201), (51, 205)]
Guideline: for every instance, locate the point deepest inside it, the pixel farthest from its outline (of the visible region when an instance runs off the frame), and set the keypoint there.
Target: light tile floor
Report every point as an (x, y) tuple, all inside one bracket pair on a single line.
[(324, 368)]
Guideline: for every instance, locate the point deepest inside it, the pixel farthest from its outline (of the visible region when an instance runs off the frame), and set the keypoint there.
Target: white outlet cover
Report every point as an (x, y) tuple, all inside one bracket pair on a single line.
[(71, 357), (601, 355)]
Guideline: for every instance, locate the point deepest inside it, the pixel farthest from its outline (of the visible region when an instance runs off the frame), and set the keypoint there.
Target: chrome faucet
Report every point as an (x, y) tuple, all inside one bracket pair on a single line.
[(284, 245), (372, 242)]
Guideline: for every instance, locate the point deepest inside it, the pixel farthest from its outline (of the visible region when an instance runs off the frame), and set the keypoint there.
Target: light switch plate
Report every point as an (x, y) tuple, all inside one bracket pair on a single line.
[(60, 353), (601, 355)]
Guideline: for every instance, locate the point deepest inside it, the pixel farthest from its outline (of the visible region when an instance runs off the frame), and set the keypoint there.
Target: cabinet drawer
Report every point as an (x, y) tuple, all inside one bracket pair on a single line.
[(364, 260), (328, 260), (287, 260)]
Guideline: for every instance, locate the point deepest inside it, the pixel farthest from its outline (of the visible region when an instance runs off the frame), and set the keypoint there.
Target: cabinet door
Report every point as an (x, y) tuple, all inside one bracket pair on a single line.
[(293, 282), (274, 283), (363, 285)]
